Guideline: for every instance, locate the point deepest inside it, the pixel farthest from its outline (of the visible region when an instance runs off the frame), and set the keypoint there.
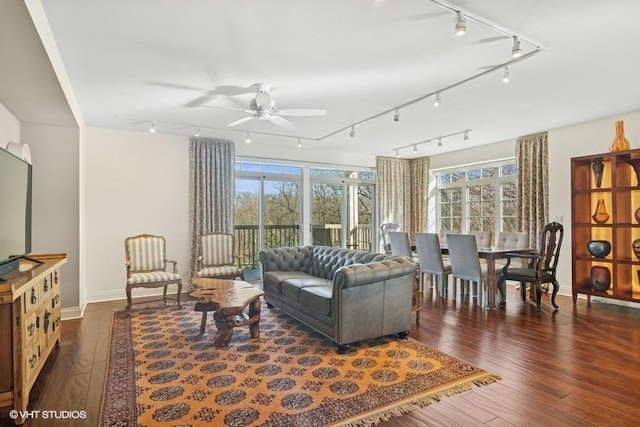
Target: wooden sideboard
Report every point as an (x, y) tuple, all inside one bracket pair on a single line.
[(29, 325)]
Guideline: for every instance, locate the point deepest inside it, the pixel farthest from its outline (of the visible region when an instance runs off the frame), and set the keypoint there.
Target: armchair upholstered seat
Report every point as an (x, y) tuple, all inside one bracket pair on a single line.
[(218, 258), (146, 264)]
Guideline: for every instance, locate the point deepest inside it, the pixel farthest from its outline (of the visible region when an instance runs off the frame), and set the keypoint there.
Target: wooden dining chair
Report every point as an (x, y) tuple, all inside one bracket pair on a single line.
[(542, 266), (431, 262)]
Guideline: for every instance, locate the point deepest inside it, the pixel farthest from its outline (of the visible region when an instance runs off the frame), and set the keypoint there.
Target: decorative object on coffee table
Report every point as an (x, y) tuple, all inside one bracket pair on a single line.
[(620, 142), (600, 278), (599, 248), (600, 215), (598, 168)]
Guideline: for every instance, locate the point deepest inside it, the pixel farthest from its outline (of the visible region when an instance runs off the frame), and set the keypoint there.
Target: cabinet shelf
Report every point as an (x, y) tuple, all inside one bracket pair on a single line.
[(620, 194)]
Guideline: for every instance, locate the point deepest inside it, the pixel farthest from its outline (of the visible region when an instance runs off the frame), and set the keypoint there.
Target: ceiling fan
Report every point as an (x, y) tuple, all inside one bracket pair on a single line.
[(263, 107)]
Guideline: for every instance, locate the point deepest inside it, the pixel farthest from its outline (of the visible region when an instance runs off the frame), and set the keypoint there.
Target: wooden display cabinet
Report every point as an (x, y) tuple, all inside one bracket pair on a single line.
[(620, 192)]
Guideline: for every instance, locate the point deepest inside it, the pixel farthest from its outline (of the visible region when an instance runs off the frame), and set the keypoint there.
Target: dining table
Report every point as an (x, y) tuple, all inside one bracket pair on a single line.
[(490, 255)]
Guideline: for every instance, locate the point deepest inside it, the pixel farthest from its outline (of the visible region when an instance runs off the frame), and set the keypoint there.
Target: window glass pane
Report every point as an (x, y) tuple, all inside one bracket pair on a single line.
[(456, 195), (445, 178), (508, 170), (457, 176), (488, 172), (474, 174)]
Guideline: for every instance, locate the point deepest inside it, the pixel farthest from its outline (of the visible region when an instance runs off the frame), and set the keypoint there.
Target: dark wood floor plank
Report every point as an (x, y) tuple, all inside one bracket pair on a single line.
[(576, 366)]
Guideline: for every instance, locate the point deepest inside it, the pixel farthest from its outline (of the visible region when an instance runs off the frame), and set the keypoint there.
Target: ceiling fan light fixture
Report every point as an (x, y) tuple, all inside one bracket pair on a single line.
[(437, 101), (396, 116), (247, 140), (506, 77), (516, 50), (461, 24)]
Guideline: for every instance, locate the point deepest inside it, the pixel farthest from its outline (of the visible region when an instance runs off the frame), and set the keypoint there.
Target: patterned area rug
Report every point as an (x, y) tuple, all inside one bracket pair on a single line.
[(161, 372)]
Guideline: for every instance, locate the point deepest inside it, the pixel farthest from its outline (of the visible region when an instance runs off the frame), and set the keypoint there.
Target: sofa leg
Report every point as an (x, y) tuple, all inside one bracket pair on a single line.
[(403, 334), (343, 349), (269, 305)]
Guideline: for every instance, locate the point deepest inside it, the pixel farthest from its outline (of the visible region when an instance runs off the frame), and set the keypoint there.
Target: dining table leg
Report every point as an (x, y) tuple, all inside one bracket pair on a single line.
[(491, 284)]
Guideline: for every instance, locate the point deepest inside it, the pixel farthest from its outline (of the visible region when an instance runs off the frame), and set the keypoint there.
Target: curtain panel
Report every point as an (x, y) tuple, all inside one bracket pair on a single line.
[(212, 188), (402, 192), (532, 185)]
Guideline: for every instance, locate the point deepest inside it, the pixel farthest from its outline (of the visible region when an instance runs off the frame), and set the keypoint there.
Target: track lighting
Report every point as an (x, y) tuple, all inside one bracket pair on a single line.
[(461, 24), (396, 116), (466, 136), (516, 50), (247, 140), (352, 133), (299, 143), (505, 77), (197, 133), (397, 154), (415, 148), (439, 142), (436, 101), (437, 139), (153, 128)]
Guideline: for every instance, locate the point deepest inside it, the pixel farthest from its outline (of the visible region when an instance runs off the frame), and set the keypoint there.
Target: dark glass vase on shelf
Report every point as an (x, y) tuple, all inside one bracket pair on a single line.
[(599, 248), (598, 169), (600, 278)]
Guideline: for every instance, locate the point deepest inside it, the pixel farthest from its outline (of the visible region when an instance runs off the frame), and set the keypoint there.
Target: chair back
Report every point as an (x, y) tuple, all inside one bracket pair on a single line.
[(429, 252), (463, 253), (399, 241), (483, 238), (550, 248), (512, 240), (145, 252), (385, 229), (217, 249)]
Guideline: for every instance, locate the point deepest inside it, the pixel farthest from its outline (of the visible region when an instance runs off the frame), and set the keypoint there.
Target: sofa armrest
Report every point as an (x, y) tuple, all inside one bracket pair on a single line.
[(364, 274)]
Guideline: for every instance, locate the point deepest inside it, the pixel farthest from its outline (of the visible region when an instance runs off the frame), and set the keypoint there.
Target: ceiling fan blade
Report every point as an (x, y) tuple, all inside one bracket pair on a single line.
[(242, 120), (302, 112), (217, 107), (282, 122)]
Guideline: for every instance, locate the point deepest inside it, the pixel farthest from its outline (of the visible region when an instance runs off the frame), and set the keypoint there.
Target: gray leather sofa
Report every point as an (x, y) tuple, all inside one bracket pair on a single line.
[(348, 295)]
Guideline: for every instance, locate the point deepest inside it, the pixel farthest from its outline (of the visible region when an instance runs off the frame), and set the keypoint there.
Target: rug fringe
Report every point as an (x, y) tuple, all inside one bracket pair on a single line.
[(420, 402)]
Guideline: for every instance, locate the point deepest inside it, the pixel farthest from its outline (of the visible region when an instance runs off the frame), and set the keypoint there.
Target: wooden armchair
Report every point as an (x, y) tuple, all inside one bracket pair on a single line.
[(542, 266), (146, 264), (217, 257)]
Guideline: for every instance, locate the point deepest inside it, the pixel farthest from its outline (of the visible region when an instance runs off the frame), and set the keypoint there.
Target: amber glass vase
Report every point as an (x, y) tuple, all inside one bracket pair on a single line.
[(620, 143), (600, 215)]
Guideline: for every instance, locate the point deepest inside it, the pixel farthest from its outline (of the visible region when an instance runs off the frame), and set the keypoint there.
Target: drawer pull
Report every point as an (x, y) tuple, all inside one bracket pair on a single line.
[(47, 314), (38, 322), (32, 360), (45, 286), (31, 328), (34, 298), (55, 277)]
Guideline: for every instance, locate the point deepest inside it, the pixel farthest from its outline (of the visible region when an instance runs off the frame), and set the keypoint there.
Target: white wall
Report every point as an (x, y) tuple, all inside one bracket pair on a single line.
[(9, 127), (55, 211), (136, 182)]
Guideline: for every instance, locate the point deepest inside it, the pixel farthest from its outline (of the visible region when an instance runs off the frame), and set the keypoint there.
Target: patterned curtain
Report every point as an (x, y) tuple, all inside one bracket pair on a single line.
[(532, 185), (402, 192), (212, 188)]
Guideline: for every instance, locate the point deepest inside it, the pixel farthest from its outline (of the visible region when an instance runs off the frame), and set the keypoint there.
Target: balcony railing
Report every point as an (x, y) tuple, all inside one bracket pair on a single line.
[(248, 238)]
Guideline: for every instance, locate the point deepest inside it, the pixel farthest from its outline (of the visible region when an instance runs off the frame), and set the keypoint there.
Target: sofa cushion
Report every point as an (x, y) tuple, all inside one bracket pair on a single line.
[(291, 287), (317, 298), (272, 280)]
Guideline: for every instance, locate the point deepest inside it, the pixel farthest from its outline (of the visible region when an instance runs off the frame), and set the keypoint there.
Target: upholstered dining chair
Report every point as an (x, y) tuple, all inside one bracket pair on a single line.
[(542, 266), (483, 238), (511, 240), (465, 263), (431, 262), (146, 264), (399, 241), (217, 257)]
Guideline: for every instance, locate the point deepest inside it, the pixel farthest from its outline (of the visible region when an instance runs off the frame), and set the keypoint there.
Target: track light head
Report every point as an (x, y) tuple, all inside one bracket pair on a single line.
[(439, 142), (466, 136), (461, 24), (247, 140), (396, 116), (415, 148), (506, 77), (299, 143), (153, 128), (397, 154), (352, 132), (436, 101), (516, 50), (197, 133)]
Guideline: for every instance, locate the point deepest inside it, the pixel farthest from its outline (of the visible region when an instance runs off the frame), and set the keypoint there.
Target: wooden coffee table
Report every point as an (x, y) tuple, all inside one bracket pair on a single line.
[(228, 300)]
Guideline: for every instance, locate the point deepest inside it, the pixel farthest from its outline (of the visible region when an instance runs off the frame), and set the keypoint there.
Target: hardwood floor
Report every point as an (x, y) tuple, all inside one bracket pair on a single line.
[(579, 366)]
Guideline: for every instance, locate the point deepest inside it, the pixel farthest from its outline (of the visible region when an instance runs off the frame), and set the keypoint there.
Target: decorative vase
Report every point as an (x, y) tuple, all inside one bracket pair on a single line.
[(636, 248), (598, 167), (635, 164), (599, 248), (600, 215), (620, 143), (637, 215), (600, 278)]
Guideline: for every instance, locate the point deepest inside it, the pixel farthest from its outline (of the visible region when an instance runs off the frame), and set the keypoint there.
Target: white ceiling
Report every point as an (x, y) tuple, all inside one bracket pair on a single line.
[(133, 62)]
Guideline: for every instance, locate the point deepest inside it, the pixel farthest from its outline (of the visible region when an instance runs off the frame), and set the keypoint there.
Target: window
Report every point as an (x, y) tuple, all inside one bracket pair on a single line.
[(478, 198)]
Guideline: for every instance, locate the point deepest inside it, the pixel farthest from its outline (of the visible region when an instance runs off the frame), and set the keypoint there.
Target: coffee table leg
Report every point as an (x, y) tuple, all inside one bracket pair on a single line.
[(254, 317), (225, 328)]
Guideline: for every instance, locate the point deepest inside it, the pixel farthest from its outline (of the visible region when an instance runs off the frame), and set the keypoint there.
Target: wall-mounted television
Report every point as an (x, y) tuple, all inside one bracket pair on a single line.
[(15, 210)]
